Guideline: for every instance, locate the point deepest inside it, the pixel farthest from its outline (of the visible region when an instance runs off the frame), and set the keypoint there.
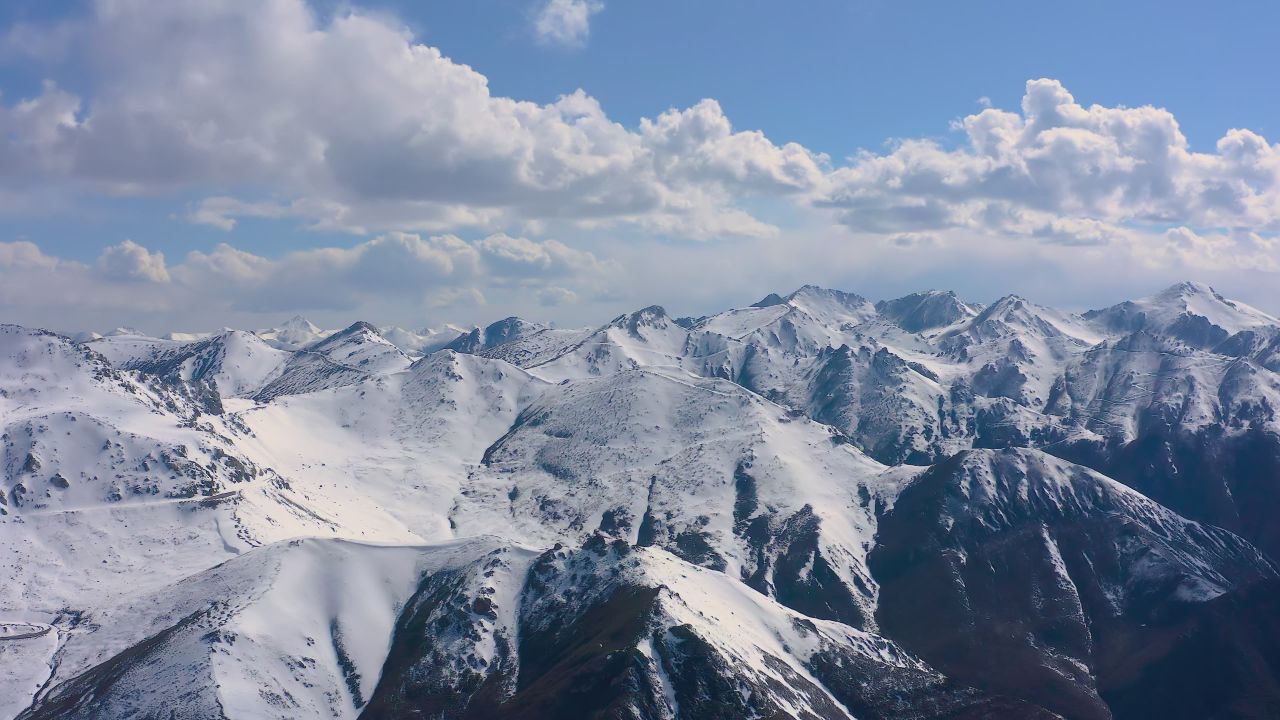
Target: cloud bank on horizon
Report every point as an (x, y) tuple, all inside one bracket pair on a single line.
[(453, 194)]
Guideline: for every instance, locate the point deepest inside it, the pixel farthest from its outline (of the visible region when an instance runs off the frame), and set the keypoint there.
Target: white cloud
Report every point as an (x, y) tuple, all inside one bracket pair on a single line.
[(1062, 172), (24, 255), (390, 266), (516, 257), (397, 271), (130, 261), (565, 22), (262, 109), (348, 124), (555, 296)]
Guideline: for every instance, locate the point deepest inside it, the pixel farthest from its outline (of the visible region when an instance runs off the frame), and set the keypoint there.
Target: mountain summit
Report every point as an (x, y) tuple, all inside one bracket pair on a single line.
[(814, 506)]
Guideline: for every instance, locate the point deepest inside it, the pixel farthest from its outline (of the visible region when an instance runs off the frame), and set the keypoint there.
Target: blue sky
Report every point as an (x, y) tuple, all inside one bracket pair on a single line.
[(230, 162), (840, 75)]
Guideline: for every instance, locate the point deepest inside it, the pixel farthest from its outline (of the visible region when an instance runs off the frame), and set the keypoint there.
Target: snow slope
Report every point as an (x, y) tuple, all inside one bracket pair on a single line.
[(236, 363), (815, 506)]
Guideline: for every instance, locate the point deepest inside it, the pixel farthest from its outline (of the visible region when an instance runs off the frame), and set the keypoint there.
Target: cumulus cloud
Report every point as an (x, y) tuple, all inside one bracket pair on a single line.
[(565, 22), (516, 257), (130, 261), (24, 255), (554, 296), (1236, 250), (351, 125), (265, 110), (699, 145), (1063, 173)]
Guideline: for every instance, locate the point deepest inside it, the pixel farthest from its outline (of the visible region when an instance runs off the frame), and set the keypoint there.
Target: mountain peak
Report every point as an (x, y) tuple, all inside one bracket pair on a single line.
[(817, 291), (358, 327), (297, 323), (926, 310), (357, 332), (834, 306), (1187, 289), (1191, 311), (652, 315), (769, 301), (493, 334)]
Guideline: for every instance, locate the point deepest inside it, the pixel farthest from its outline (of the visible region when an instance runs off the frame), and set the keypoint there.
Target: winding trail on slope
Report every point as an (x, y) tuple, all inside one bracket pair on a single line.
[(22, 630)]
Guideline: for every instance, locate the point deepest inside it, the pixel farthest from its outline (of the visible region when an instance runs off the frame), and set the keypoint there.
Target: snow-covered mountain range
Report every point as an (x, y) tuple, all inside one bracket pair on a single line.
[(813, 506)]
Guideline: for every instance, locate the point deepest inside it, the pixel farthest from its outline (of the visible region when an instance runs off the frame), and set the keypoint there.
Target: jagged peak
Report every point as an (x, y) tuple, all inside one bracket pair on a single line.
[(817, 291), (1187, 288), (508, 328), (358, 331), (357, 328), (769, 301), (646, 315), (1006, 306), (494, 334), (1011, 300), (926, 310)]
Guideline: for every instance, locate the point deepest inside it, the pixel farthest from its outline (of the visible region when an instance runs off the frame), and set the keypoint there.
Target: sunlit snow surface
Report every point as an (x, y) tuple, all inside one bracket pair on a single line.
[(267, 503)]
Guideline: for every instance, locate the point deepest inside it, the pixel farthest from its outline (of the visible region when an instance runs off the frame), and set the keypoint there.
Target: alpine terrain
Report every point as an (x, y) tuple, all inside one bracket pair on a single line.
[(815, 506)]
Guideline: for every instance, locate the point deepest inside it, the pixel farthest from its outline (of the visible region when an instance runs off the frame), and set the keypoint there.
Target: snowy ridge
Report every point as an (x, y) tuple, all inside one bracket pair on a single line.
[(1192, 312), (236, 363), (816, 506), (343, 358)]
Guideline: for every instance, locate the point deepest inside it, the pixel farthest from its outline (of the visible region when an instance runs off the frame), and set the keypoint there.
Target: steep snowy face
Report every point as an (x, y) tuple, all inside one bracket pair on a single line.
[(346, 357), (644, 338), (808, 321), (522, 343), (738, 324), (112, 481), (1122, 385), (920, 312), (498, 333), (699, 467), (833, 307), (1008, 357), (888, 405), (297, 629), (537, 348), (479, 629), (651, 519), (237, 363), (679, 641), (79, 434), (1191, 312), (294, 334), (362, 347), (385, 459), (1019, 572), (1013, 316)]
